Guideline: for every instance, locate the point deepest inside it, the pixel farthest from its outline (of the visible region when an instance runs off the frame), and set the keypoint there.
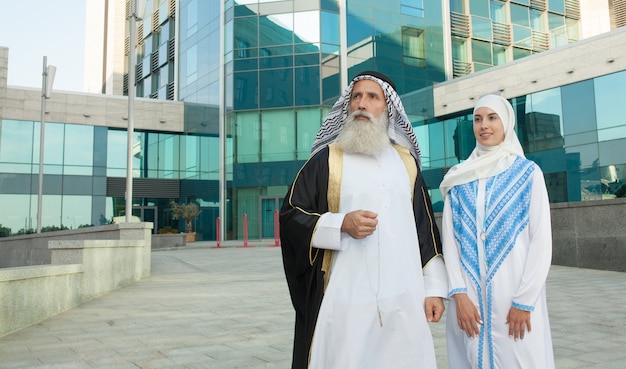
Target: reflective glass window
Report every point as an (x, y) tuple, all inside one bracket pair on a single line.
[(245, 90), (479, 7), (457, 6), (430, 138), (520, 15), (276, 88), (578, 107), (610, 95), (413, 8), (582, 156), (17, 150), (613, 177), (498, 12), (330, 28), (481, 28), (542, 128), (307, 86), (248, 138), (522, 36), (499, 55), (20, 217), (307, 27), (520, 53), (276, 29), (536, 21), (481, 52), (308, 121), (53, 148), (116, 153), (78, 150), (612, 152), (413, 47), (51, 215), (557, 6), (246, 32), (278, 135), (168, 160), (555, 21)]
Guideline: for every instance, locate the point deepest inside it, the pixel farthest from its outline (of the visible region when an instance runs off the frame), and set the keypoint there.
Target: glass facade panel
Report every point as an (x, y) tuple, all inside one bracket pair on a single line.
[(479, 7), (78, 155), (308, 123), (248, 138), (330, 28), (276, 88), (481, 52), (520, 15), (307, 27), (498, 12), (18, 153), (481, 28), (278, 135), (522, 36), (556, 6), (579, 110), (610, 95)]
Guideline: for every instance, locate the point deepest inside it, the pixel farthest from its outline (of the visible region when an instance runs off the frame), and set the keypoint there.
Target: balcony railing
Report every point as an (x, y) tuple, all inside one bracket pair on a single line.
[(459, 24)]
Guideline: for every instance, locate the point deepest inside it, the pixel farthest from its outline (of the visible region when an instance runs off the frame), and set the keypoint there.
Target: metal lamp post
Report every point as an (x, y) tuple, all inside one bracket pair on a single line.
[(132, 28), (46, 90)]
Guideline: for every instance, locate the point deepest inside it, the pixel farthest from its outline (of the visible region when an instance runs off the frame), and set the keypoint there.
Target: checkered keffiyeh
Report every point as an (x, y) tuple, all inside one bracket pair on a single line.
[(400, 128)]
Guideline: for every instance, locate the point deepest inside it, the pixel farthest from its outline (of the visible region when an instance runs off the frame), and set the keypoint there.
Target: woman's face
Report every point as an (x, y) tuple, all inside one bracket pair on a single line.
[(488, 128)]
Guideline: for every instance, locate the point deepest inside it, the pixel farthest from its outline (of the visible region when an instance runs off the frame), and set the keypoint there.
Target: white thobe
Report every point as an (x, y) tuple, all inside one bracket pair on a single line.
[(519, 279), (380, 273)]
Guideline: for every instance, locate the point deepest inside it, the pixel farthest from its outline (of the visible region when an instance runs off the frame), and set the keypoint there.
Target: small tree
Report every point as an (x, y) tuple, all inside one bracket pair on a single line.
[(188, 212)]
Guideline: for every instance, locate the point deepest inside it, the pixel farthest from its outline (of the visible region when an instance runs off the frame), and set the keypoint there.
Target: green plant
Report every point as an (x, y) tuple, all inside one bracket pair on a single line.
[(188, 212), (167, 229), (4, 231)]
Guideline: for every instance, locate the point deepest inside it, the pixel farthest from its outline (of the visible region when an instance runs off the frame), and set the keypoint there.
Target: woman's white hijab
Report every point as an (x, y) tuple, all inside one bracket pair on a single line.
[(487, 161)]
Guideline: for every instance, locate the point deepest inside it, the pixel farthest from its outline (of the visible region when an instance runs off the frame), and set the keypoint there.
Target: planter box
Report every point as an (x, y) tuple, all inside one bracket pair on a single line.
[(161, 241)]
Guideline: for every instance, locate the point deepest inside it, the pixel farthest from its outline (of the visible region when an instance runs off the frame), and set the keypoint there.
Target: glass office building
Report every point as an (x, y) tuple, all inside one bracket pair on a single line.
[(257, 78)]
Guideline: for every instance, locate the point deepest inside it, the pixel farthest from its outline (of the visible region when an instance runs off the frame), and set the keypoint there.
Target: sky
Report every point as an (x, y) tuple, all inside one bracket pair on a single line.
[(32, 29)]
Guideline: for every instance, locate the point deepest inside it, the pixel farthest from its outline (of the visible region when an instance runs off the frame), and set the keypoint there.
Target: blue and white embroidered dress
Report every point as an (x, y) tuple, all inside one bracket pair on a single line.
[(497, 246)]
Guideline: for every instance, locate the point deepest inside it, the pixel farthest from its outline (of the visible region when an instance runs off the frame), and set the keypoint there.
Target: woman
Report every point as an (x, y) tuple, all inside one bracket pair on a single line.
[(497, 242)]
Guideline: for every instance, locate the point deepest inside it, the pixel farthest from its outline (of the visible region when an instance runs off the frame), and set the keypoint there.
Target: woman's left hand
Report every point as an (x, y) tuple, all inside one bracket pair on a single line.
[(519, 322)]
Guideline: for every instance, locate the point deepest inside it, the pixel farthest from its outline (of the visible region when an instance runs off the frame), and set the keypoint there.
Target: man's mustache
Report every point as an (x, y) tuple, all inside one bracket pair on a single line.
[(361, 113)]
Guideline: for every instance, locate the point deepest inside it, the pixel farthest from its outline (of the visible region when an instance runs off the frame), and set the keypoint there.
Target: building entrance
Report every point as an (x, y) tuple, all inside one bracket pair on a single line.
[(267, 206), (147, 214)]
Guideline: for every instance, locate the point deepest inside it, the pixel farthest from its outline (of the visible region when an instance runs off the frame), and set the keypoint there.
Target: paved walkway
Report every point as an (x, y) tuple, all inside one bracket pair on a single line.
[(229, 308)]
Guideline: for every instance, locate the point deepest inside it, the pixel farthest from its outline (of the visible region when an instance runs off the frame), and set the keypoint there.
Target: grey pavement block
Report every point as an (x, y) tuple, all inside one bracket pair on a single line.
[(229, 308)]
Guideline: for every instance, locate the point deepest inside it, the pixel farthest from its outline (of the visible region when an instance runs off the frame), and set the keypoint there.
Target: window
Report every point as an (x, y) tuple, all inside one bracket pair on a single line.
[(412, 7), (413, 52)]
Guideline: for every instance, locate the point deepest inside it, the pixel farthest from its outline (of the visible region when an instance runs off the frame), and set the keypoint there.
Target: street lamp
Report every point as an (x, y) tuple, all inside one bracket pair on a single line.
[(132, 28), (46, 91)]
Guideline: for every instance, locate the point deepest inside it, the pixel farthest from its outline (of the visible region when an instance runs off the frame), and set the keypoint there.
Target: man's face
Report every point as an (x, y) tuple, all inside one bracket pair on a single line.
[(369, 96)]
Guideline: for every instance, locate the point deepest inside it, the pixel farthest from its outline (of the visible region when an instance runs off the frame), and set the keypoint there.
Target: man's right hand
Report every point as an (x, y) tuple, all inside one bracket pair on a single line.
[(359, 223)]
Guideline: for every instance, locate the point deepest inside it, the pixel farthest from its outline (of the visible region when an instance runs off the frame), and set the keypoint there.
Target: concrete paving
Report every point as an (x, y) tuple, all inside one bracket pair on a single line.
[(205, 307)]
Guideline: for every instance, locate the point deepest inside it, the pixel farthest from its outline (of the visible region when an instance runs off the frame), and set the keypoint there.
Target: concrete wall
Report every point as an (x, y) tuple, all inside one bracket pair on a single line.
[(81, 270), (589, 234), (32, 249)]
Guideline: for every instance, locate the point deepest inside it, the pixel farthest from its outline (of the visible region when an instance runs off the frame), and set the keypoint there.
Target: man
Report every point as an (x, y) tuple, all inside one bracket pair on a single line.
[(357, 227)]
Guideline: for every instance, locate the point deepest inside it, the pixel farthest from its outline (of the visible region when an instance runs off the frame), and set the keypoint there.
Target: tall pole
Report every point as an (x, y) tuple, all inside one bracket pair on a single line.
[(131, 99), (46, 90)]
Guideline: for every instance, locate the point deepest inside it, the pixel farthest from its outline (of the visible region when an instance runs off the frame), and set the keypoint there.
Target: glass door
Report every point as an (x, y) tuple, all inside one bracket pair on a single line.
[(268, 206)]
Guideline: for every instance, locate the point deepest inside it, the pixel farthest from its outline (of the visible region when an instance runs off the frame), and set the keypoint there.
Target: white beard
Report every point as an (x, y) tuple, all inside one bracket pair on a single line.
[(364, 137)]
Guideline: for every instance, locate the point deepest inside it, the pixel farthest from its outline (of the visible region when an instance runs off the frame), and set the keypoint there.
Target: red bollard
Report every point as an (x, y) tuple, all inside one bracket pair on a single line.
[(276, 230), (245, 231), (218, 233)]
